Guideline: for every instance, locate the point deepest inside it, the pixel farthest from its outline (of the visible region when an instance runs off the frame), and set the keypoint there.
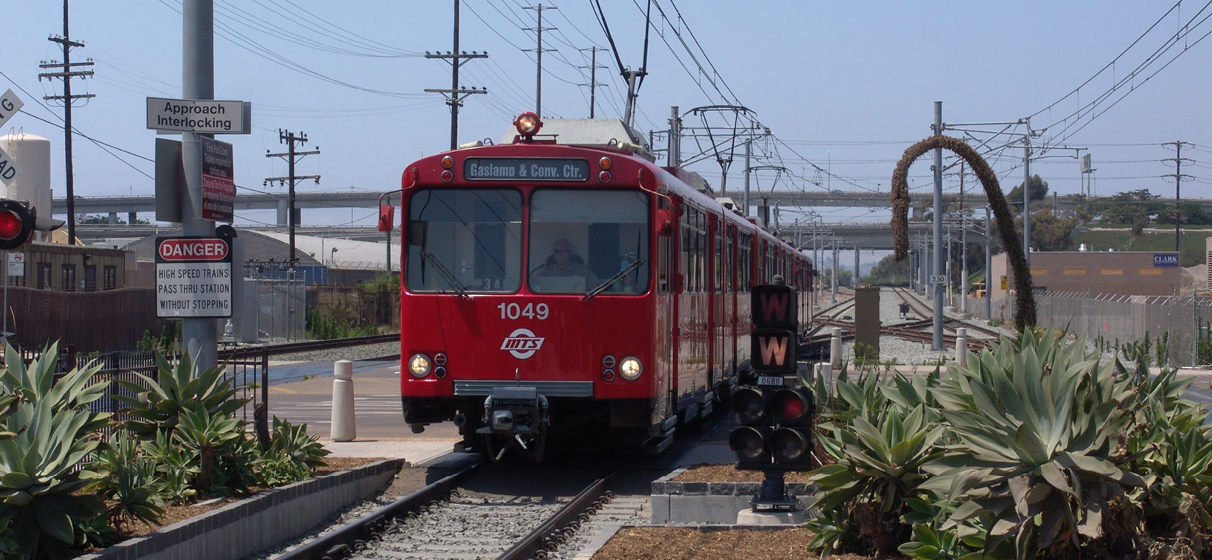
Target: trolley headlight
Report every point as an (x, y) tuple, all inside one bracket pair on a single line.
[(631, 368), (419, 365)]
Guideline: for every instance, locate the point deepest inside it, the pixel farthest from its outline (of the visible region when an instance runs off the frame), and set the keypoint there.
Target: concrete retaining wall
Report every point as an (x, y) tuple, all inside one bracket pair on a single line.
[(710, 502), (259, 522)]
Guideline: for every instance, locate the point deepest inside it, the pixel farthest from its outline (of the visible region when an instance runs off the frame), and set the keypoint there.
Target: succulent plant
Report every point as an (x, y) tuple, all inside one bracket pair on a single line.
[(159, 403)]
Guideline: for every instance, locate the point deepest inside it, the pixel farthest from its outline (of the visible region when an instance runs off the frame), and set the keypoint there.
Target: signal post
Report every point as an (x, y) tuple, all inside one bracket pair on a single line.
[(776, 412)]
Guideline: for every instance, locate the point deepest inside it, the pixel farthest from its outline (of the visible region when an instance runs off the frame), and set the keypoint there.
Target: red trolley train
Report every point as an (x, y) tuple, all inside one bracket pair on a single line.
[(544, 284)]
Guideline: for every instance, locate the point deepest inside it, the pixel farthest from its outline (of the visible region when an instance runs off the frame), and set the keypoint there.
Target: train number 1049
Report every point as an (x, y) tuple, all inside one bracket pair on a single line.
[(531, 311)]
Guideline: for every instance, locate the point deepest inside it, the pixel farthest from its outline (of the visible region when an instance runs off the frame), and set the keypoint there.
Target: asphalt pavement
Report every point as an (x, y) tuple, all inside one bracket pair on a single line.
[(378, 416)]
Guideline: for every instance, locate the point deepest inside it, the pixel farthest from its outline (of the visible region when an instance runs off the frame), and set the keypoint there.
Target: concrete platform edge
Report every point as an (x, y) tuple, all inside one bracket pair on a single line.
[(248, 526), (711, 502)]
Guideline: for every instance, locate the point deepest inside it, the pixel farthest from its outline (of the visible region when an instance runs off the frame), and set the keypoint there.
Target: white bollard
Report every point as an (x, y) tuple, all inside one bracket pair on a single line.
[(961, 346), (827, 376), (343, 428), (835, 348)]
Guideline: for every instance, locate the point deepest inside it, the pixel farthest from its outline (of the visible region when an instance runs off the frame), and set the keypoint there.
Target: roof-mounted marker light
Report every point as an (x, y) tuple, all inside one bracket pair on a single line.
[(528, 124)]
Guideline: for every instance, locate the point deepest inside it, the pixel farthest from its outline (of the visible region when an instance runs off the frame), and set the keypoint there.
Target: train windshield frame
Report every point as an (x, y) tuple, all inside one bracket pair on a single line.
[(465, 240), (588, 241)]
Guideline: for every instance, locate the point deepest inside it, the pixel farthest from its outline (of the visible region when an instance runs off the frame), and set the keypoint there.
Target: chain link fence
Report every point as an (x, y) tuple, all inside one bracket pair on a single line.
[(1178, 322)]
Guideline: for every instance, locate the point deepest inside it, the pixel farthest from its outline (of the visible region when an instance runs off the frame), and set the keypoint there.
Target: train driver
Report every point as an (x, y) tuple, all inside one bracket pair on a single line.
[(564, 263)]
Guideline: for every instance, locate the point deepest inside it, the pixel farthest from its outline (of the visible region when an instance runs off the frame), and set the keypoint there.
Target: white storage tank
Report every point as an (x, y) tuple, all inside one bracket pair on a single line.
[(32, 154)]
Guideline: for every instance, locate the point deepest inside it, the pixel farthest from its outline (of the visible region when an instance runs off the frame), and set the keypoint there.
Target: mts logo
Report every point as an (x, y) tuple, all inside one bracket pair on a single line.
[(522, 343)]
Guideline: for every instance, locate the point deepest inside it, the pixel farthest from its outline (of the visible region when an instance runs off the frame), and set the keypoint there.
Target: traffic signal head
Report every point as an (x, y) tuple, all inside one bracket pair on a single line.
[(792, 407), (749, 404), (749, 444), (791, 446), (16, 224), (776, 428)]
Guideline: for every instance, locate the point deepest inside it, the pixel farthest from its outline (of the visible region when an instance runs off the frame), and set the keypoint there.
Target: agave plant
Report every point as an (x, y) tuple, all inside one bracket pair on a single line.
[(40, 464), (177, 388), (208, 435), (1040, 423), (176, 465), (880, 432), (294, 443), (129, 480)]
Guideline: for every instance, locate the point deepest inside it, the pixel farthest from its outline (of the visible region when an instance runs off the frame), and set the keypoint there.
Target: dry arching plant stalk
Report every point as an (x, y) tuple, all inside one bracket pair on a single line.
[(1024, 311)]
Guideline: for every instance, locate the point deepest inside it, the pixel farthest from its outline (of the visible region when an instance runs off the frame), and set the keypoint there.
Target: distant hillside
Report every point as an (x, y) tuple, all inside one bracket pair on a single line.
[(1153, 239)]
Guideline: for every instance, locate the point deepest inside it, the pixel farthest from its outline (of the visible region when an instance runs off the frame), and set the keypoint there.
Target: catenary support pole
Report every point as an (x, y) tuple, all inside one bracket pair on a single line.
[(747, 171), (963, 248), (1027, 194), (198, 82), (935, 286)]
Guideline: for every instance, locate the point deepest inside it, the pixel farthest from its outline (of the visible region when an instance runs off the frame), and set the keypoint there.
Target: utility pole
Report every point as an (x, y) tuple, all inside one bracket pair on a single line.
[(937, 287), (66, 75), (833, 295), (856, 266), (593, 78), (1178, 181), (455, 95), (538, 75), (292, 155)]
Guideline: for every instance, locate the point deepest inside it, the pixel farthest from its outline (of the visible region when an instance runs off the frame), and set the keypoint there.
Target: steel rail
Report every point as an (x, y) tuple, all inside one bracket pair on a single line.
[(306, 346), (347, 539), (536, 543)]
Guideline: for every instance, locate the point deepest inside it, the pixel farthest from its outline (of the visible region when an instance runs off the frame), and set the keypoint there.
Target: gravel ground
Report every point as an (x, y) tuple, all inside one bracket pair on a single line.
[(352, 353), (904, 351)]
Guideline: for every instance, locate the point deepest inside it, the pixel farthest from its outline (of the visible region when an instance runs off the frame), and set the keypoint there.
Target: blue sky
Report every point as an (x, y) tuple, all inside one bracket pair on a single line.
[(843, 86)]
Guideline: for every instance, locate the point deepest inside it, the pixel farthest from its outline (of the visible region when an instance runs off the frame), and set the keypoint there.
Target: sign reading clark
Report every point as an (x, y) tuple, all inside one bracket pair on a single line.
[(1165, 259)]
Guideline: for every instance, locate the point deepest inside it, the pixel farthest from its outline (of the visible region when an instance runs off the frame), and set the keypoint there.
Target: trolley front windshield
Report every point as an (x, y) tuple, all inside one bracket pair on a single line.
[(581, 240), (465, 240)]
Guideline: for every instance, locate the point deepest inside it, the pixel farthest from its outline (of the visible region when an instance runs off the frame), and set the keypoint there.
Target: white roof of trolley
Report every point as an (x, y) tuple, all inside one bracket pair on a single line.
[(584, 132)]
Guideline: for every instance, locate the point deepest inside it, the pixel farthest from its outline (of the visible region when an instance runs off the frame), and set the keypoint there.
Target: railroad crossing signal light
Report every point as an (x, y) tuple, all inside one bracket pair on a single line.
[(17, 224)]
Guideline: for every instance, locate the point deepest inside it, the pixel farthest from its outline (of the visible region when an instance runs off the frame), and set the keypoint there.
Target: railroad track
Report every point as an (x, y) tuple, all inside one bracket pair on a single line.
[(306, 346), (445, 520)]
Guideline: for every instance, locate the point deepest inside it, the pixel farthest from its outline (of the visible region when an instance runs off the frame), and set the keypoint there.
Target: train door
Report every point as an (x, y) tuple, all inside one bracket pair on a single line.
[(719, 352), (714, 315), (667, 289), (730, 301)]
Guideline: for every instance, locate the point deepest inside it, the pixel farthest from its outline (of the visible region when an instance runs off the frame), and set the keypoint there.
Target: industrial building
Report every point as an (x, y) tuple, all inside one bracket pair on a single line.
[(1136, 273)]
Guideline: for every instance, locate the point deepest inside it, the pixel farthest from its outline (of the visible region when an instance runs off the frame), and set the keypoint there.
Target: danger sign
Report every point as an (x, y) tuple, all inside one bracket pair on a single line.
[(193, 277)]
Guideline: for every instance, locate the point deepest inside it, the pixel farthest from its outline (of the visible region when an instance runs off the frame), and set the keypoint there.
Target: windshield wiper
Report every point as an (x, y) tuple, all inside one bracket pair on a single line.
[(446, 274), (611, 281)]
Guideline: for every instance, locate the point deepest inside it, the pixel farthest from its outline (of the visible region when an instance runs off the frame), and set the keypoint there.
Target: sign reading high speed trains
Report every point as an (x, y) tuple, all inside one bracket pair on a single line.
[(193, 277), (525, 169)]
